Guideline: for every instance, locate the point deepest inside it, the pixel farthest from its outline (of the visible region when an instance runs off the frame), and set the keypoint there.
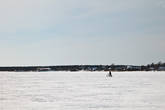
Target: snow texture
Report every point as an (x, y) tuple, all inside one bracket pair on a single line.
[(82, 91)]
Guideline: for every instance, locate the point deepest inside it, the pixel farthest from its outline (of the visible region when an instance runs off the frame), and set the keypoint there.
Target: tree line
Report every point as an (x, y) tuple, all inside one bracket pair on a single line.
[(149, 67)]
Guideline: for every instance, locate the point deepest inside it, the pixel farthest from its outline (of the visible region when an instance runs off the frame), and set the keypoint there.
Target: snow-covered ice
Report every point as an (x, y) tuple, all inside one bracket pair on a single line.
[(82, 91)]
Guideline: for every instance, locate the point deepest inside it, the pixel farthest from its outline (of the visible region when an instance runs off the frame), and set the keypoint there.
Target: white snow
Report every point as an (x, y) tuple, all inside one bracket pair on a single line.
[(82, 91)]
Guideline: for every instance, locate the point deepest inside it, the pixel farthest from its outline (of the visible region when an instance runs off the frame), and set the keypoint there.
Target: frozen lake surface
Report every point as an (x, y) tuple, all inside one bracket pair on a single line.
[(82, 91)]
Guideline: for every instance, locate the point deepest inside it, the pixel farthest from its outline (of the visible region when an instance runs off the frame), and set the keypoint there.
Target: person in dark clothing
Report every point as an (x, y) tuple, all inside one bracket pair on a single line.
[(110, 74)]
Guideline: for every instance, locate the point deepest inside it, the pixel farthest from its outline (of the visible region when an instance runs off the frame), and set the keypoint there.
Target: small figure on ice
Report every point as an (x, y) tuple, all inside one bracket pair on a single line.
[(110, 74)]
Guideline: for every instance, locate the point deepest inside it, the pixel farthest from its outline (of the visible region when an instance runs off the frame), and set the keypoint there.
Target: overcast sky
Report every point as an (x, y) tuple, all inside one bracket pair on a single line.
[(57, 32)]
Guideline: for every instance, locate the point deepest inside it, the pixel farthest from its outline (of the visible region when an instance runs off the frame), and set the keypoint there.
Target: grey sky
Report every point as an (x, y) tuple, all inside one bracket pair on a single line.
[(52, 32)]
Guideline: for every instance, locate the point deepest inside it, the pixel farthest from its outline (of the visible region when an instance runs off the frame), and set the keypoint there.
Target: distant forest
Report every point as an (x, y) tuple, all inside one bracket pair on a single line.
[(150, 67)]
